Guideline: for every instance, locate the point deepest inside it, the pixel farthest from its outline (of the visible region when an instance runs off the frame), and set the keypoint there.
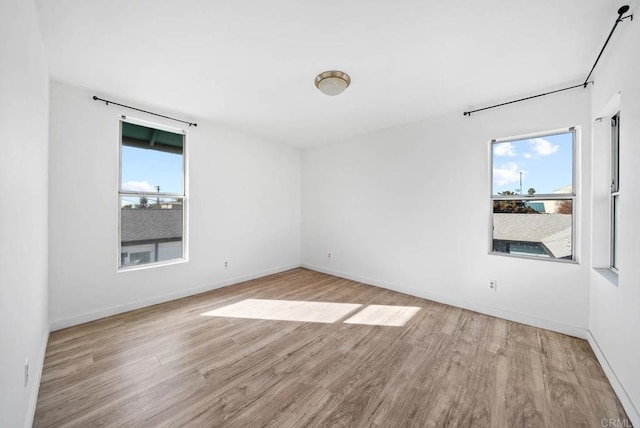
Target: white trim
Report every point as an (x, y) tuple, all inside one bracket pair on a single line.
[(612, 106), (558, 327), (114, 310), (625, 400), (614, 195), (122, 118), (152, 265), (532, 135), (608, 273), (149, 124), (37, 375), (574, 196), (581, 333), (567, 329), (524, 256)]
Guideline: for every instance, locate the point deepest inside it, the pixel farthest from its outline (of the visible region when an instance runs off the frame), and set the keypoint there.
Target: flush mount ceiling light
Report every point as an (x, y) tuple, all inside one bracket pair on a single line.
[(332, 82)]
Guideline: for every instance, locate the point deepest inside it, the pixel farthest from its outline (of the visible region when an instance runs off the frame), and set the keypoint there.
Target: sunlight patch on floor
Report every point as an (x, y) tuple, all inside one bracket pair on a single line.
[(393, 316), (285, 310), (322, 312)]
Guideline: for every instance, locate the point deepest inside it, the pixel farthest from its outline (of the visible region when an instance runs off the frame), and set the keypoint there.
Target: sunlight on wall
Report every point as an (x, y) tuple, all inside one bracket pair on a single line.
[(322, 312)]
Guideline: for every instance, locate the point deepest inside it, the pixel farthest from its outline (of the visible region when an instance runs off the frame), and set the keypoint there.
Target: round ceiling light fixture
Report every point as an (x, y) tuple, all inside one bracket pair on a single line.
[(332, 82)]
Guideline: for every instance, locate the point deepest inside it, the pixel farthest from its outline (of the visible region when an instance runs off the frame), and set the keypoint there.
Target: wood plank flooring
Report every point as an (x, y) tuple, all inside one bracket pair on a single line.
[(183, 364)]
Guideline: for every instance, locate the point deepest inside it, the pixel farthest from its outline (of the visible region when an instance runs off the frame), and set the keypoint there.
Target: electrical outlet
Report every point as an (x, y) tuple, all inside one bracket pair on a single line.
[(26, 373), (329, 255), (493, 284), (226, 265)]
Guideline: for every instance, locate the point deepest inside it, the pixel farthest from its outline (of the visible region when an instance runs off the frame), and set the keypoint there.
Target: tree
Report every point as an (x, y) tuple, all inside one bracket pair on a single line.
[(143, 203), (531, 191), (512, 206), (565, 207)]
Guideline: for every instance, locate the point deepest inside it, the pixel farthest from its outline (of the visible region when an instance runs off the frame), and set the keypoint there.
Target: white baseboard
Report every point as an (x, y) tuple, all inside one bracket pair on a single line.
[(558, 327), (629, 407), (37, 375), (627, 403), (114, 310), (625, 400)]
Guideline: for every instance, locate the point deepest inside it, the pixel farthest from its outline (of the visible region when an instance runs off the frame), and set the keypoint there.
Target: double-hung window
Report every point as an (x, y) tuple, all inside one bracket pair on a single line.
[(152, 194), (533, 196), (615, 188)]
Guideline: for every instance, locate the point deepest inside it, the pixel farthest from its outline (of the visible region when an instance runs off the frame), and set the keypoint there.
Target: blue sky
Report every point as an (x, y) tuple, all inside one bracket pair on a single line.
[(545, 162), (142, 170)]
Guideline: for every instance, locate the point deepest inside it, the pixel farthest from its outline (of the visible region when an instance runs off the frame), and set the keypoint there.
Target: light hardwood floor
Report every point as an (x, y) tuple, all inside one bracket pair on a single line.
[(217, 359)]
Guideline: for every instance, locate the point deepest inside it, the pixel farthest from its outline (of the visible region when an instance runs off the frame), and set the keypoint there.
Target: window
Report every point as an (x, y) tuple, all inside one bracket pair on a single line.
[(533, 196), (615, 188), (151, 193)]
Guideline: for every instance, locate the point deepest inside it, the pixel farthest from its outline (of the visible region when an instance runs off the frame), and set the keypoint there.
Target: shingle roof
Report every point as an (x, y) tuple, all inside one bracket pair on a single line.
[(559, 243), (150, 224), (552, 230)]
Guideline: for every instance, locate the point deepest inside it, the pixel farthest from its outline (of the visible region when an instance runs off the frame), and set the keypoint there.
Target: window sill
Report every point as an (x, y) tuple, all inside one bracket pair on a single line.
[(544, 259), (608, 274), (151, 265)]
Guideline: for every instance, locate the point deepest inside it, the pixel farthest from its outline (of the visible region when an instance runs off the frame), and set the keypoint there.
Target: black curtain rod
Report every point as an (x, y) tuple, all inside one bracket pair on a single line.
[(624, 9), (468, 113), (107, 102)]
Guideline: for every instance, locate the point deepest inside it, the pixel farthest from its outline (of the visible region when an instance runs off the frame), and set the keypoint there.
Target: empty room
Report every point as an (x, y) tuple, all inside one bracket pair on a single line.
[(305, 214)]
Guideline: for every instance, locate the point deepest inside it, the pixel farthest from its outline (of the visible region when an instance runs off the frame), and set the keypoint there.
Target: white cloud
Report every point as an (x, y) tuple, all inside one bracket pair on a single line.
[(542, 147), (507, 173), (138, 186), (527, 155), (503, 149)]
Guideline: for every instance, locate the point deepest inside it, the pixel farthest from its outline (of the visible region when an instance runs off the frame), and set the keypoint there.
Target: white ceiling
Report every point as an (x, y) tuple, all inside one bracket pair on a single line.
[(250, 65)]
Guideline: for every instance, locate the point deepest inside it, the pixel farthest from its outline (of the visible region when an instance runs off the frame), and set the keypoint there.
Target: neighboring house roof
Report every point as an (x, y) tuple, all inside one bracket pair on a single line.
[(140, 225), (559, 243), (551, 230), (564, 189)]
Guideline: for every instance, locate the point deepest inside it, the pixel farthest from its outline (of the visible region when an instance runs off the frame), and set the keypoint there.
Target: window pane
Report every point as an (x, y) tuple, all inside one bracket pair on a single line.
[(615, 153), (541, 228), (542, 165), (150, 230), (152, 160), (615, 232)]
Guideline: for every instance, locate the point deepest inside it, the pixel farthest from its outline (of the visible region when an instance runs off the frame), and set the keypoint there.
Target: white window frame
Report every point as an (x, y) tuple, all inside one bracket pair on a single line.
[(615, 192), (539, 197), (126, 193)]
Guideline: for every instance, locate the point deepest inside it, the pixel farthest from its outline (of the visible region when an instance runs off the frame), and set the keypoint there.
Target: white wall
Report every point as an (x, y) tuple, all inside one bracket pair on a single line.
[(408, 208), (24, 119), (244, 208), (615, 308), (405, 208)]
